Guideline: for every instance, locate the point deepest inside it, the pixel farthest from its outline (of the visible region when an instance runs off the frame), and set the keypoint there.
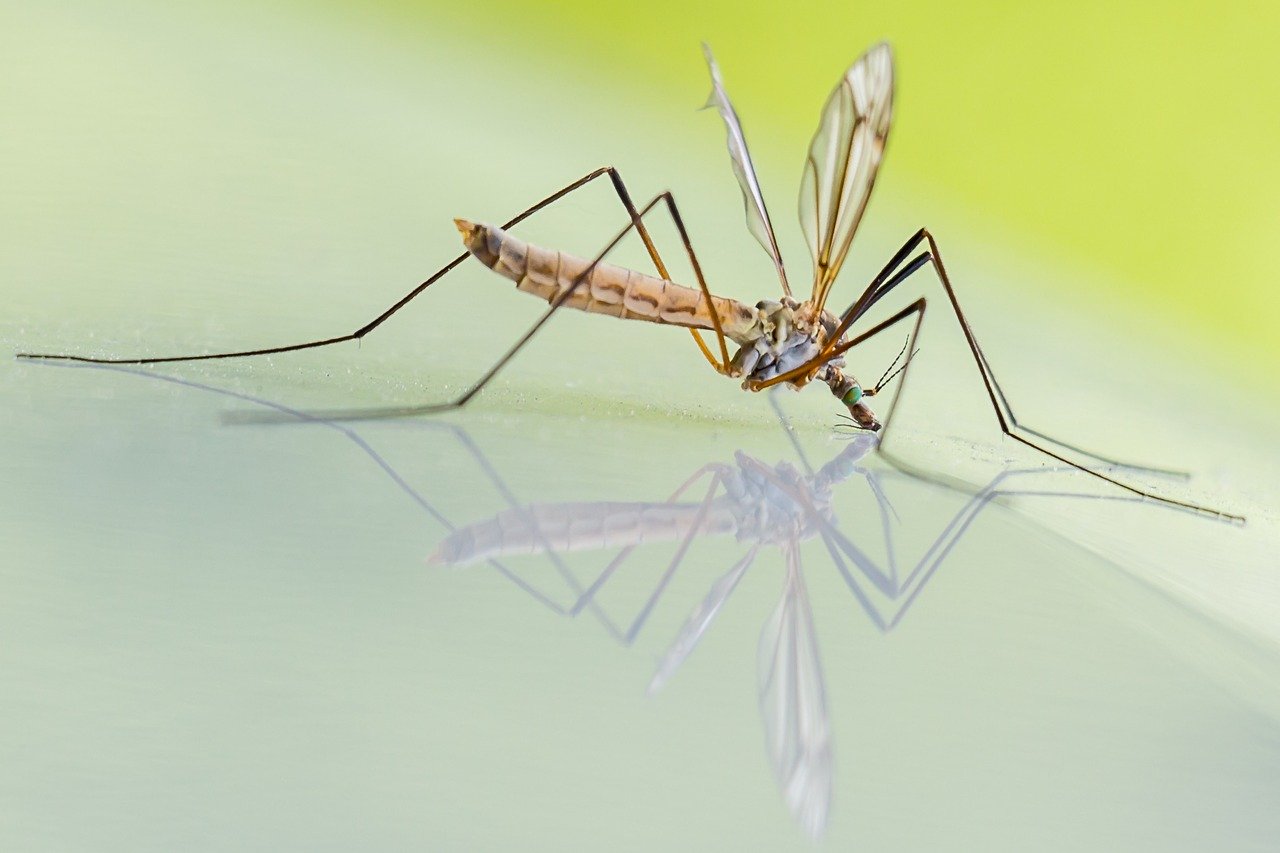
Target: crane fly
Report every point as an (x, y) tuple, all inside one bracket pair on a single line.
[(777, 341)]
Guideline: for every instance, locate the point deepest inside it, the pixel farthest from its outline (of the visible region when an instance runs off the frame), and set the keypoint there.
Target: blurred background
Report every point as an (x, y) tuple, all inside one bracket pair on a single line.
[(218, 635), (1109, 162), (1130, 145)]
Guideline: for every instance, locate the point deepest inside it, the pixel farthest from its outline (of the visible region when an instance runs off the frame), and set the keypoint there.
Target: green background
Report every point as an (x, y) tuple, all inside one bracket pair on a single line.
[(1134, 144), (224, 636)]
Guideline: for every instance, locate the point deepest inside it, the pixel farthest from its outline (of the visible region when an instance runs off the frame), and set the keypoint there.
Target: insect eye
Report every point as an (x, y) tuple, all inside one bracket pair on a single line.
[(853, 396)]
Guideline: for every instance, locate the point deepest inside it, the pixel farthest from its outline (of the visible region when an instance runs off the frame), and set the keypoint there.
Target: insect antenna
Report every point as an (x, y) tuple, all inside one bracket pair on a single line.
[(887, 377), (885, 380)]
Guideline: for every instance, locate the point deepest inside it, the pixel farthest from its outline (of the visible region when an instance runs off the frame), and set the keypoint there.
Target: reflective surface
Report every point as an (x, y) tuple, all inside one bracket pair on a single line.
[(499, 629), (220, 632)]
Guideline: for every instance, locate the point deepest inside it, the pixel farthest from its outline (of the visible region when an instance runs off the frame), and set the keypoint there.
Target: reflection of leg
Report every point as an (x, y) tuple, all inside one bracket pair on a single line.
[(835, 542), (535, 528), (377, 458), (699, 519), (588, 597), (956, 528), (376, 321), (695, 627), (790, 431)]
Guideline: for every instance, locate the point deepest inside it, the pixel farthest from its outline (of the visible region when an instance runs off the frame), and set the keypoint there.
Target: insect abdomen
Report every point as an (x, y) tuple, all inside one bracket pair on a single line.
[(568, 527), (609, 289)]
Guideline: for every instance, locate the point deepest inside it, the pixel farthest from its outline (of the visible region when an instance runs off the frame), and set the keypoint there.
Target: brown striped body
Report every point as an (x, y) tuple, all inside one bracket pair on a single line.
[(609, 289)]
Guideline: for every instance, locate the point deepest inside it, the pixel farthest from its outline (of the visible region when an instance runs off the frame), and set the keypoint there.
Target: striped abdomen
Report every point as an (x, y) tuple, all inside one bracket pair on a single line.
[(609, 289)]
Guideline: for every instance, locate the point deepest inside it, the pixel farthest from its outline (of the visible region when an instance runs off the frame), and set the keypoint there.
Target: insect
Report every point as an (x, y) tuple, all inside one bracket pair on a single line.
[(776, 341)]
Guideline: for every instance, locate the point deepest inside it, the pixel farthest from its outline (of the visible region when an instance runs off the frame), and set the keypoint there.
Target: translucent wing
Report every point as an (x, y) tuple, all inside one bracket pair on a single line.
[(843, 158), (699, 621), (752, 197), (793, 703)]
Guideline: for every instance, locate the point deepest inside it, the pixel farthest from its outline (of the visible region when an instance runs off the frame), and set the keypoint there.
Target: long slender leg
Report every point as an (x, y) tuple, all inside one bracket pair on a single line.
[(609, 570), (484, 380), (1008, 425), (917, 308), (699, 621), (385, 315), (881, 286), (995, 392), (721, 365), (874, 294), (560, 299)]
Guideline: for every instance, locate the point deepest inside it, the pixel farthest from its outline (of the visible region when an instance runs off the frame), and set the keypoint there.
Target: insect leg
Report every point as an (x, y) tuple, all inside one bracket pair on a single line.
[(469, 394), (1003, 408), (886, 280), (1004, 413), (880, 286), (699, 621), (367, 327), (883, 284), (681, 551), (721, 365)]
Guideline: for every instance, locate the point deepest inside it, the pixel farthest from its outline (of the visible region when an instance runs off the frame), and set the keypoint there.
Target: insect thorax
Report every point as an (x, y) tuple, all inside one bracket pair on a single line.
[(788, 334), (765, 505)]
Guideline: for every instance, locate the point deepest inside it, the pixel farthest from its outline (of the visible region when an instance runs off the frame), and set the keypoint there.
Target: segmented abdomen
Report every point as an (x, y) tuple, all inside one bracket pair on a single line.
[(580, 527), (609, 289)]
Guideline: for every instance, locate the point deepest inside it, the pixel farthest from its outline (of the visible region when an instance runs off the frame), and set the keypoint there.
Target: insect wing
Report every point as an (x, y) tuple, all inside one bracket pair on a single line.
[(699, 621), (843, 159), (793, 703), (753, 198)]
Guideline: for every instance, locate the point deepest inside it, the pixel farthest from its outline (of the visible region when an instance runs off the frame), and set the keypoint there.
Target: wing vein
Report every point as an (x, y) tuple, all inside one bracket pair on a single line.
[(843, 158), (757, 212)]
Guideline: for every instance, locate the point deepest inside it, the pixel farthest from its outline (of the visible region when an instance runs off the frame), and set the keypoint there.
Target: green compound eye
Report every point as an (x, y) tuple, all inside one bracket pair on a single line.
[(854, 395)]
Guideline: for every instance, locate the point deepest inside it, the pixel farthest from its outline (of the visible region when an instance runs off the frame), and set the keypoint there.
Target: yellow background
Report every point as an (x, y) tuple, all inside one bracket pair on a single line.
[(1137, 141)]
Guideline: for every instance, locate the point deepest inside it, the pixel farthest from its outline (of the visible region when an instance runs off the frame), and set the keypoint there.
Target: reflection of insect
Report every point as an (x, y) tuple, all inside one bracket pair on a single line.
[(761, 506), (784, 341)]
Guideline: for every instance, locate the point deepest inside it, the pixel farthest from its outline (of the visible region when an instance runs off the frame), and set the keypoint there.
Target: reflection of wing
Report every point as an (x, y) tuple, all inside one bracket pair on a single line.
[(752, 197), (843, 159), (699, 621), (793, 702)]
